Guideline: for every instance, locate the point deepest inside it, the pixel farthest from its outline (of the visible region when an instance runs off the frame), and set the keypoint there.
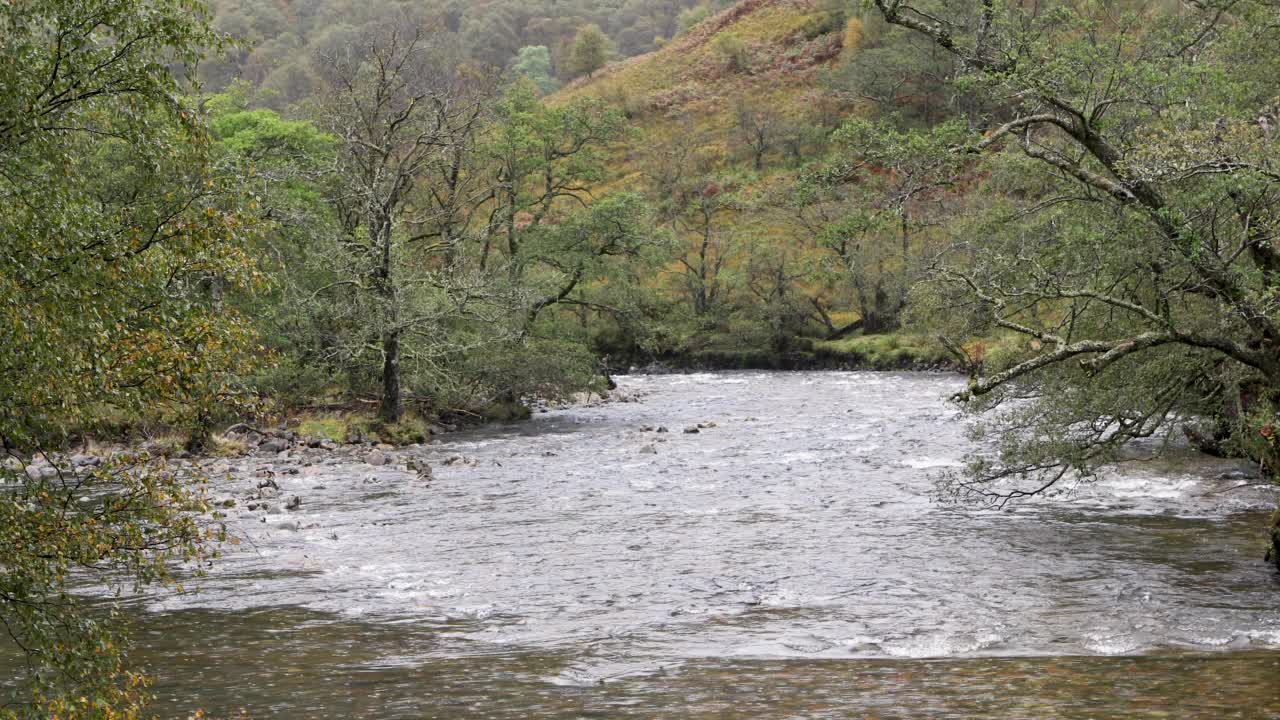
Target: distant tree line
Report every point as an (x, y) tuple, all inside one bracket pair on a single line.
[(278, 41)]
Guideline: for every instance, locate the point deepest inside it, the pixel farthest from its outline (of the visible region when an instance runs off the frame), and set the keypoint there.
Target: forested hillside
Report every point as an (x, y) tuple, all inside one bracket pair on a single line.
[(280, 39), (739, 123)]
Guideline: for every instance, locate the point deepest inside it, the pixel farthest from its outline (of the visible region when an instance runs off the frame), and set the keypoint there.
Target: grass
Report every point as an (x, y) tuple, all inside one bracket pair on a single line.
[(890, 351), (895, 350), (227, 447), (341, 427)]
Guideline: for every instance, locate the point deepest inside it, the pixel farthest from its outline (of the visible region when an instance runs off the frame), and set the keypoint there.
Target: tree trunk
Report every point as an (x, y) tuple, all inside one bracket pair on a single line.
[(847, 330), (390, 408)]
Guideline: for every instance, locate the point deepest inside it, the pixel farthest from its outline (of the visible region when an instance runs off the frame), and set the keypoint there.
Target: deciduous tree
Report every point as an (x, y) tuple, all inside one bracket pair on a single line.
[(116, 237), (1131, 181)]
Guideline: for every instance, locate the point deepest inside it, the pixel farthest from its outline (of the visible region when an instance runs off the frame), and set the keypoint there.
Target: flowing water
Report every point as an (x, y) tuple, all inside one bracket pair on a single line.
[(785, 562)]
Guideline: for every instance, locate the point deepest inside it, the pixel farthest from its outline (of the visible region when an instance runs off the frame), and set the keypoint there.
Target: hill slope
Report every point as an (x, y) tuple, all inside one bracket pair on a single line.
[(760, 54), (739, 105)]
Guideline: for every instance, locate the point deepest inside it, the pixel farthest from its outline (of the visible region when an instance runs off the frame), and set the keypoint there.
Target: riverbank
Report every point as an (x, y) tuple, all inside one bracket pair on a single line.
[(893, 352)]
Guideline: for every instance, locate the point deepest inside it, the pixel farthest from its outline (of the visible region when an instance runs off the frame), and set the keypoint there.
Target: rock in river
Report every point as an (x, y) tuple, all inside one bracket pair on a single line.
[(274, 446)]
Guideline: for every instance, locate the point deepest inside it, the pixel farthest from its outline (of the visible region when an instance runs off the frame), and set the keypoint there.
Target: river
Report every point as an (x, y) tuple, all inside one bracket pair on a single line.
[(786, 561)]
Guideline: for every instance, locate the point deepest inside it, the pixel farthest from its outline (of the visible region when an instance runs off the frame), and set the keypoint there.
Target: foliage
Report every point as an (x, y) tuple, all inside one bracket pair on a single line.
[(1127, 192), (733, 51), (118, 244), (590, 52), (899, 73), (279, 42), (534, 63)]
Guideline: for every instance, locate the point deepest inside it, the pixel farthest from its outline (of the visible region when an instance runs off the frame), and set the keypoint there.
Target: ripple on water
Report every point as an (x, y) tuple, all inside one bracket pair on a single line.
[(797, 523)]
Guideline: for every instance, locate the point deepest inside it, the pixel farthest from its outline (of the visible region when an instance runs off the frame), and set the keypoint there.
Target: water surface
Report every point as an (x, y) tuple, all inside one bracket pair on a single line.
[(784, 562)]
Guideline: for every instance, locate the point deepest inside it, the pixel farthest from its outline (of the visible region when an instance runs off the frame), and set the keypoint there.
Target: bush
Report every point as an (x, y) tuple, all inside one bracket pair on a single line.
[(823, 23), (733, 51)]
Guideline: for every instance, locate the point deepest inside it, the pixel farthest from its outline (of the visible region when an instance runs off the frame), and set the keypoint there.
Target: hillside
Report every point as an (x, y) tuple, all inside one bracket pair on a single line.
[(278, 40), (728, 117), (698, 82)]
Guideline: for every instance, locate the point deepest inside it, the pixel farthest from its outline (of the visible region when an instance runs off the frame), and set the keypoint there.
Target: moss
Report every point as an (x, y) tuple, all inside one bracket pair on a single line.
[(344, 427), (410, 430)]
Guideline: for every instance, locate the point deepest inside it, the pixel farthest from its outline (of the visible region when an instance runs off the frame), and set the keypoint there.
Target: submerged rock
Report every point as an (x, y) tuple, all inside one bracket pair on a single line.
[(1273, 549)]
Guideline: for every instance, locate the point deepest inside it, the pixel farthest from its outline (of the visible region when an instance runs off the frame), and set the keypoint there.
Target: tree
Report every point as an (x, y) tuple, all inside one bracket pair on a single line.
[(534, 62), (694, 16), (541, 157), (758, 129), (116, 239), (561, 249), (903, 74), (1132, 190), (591, 50), (393, 101), (704, 241), (874, 208), (284, 164)]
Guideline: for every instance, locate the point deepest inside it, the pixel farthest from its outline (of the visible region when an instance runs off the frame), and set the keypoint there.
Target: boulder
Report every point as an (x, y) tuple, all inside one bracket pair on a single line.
[(692, 430), (42, 472), (294, 503), (275, 445), (377, 458)]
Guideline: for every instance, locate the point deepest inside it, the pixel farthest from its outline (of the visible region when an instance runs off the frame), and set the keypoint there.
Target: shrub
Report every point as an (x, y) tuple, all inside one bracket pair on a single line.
[(733, 51)]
